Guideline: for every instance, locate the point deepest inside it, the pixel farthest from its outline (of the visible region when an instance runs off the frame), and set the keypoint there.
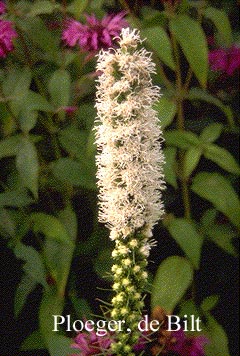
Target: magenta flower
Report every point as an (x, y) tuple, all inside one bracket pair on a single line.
[(234, 60), (91, 344), (2, 7), (95, 34), (69, 109), (7, 34), (187, 345), (225, 60)]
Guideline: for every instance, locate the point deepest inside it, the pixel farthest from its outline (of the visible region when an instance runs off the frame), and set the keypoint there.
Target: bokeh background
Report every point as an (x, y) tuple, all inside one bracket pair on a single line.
[(55, 256)]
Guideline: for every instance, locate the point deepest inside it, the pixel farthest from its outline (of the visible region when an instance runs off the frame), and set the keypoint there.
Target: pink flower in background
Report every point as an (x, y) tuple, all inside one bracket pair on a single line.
[(225, 60), (187, 345), (7, 34), (181, 344), (234, 60), (70, 109), (95, 34), (91, 344), (2, 7), (218, 59)]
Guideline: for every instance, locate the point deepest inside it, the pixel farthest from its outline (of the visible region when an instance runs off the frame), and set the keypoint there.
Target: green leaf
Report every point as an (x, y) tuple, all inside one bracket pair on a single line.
[(217, 189), (211, 133), (27, 165), (22, 221), (69, 220), (218, 337), (151, 17), (25, 287), (36, 102), (51, 304), (15, 198), (58, 255), (159, 41), (97, 5), (86, 85), (170, 166), (27, 120), (73, 140), (188, 307), (222, 23), (208, 218), (86, 115), (184, 6), (222, 157), (81, 307), (33, 342), (188, 238), (77, 7), (103, 263), (210, 303), (167, 110), (172, 280), (59, 88), (94, 243), (17, 83), (192, 39), (203, 95), (51, 227), (34, 266), (61, 343), (9, 146), (181, 139), (7, 224), (39, 34), (7, 122), (19, 89), (91, 147), (222, 236), (42, 7), (75, 173), (191, 160)]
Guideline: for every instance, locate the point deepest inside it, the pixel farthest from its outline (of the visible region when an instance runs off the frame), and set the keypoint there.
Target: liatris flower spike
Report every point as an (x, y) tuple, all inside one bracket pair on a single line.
[(130, 174)]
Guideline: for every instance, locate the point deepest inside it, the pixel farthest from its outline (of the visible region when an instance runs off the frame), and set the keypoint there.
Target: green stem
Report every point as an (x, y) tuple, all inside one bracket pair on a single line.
[(188, 79), (47, 123), (165, 79), (125, 6), (181, 126)]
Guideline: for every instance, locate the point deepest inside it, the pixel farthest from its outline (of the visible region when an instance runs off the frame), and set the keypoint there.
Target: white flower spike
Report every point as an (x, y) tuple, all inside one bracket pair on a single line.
[(130, 171)]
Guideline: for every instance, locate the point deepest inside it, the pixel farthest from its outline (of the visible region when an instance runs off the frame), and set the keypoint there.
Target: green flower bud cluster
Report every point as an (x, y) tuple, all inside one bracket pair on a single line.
[(130, 280)]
